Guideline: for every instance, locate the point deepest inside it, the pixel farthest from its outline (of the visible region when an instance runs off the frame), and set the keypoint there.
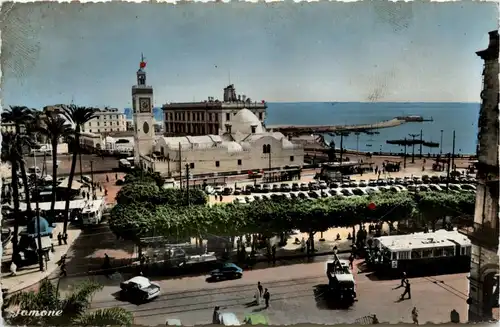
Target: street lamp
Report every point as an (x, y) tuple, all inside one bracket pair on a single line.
[(38, 229), (441, 144)]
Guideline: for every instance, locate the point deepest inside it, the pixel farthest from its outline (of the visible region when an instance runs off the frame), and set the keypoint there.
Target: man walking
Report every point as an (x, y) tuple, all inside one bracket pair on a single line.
[(267, 296), (261, 289), (407, 290)]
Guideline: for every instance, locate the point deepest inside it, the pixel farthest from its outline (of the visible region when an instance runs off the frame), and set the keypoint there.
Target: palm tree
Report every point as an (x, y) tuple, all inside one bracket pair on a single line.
[(74, 307), (54, 128), (78, 116), (10, 153), (20, 116)]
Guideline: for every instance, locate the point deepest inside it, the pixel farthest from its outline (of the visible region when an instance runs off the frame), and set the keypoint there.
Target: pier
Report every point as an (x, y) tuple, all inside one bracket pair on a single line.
[(319, 129)]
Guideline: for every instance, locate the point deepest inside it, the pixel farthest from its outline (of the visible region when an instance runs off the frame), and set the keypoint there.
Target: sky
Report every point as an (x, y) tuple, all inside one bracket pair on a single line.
[(380, 51)]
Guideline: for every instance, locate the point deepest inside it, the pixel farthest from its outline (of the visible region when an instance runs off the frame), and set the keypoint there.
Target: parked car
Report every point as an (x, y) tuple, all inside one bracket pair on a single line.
[(323, 185), (227, 191), (334, 185), (434, 187), (227, 271), (266, 188), (139, 288), (398, 180), (372, 182), (285, 187), (237, 191), (381, 182), (293, 196), (468, 187), (313, 186), (313, 195), (346, 192), (302, 196), (295, 187), (227, 319), (173, 322), (362, 183), (248, 189), (371, 190), (276, 188), (218, 190), (390, 181), (358, 191), (304, 187)]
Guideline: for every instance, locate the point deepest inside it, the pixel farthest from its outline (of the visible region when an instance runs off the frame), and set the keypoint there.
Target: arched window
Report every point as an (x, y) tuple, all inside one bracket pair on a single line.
[(266, 148)]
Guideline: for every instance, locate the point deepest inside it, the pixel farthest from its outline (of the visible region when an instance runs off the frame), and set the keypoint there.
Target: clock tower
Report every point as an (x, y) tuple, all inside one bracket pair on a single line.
[(142, 104)]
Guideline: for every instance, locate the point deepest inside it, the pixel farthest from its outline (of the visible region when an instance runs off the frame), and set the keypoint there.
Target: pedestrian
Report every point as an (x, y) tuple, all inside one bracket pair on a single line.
[(63, 270), (414, 315), (273, 250), (260, 288), (407, 290), (267, 296), (375, 319), (351, 260), (215, 316), (116, 176), (107, 179), (65, 239), (59, 238)]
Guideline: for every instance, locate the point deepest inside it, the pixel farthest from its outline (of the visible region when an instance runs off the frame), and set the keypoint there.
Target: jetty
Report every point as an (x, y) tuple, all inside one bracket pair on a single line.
[(317, 129)]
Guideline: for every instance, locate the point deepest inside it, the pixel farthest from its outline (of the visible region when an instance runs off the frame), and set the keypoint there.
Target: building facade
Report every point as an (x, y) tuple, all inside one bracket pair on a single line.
[(483, 280), (246, 146), (106, 121), (208, 117)]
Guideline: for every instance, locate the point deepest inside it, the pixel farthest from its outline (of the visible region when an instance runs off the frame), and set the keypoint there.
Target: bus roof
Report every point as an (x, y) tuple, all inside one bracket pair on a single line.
[(93, 206), (440, 238), (59, 205)]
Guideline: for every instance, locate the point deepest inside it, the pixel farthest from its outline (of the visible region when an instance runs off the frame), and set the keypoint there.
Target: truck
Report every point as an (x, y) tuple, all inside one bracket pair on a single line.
[(341, 283)]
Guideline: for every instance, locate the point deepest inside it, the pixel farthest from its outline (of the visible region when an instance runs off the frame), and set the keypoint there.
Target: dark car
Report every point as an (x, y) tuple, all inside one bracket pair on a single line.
[(313, 186), (302, 195), (139, 289), (276, 188), (248, 189), (362, 183), (237, 190), (285, 188), (293, 196), (313, 195), (266, 188), (120, 182), (381, 182), (295, 187), (333, 185), (227, 271), (257, 188)]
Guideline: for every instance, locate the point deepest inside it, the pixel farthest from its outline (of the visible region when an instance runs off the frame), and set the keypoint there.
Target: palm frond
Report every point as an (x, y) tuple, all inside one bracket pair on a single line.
[(106, 317), (79, 301)]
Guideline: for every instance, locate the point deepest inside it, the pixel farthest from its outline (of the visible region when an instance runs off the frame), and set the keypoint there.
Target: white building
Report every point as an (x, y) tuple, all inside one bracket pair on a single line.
[(243, 145), (246, 147), (106, 120)]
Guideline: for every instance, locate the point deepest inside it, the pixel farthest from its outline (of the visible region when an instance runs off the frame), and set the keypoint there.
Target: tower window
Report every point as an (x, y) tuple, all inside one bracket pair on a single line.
[(253, 129), (260, 115), (239, 162), (291, 158), (191, 165), (217, 164), (228, 116)]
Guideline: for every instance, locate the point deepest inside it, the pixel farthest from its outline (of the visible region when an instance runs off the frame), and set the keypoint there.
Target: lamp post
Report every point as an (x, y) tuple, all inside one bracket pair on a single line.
[(37, 230), (441, 144)]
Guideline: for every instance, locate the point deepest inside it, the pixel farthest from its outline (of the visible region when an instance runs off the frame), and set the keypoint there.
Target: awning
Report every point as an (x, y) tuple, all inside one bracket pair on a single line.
[(74, 186)]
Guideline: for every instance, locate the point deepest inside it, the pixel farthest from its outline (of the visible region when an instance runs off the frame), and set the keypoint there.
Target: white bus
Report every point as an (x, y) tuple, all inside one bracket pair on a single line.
[(93, 211), (124, 164)]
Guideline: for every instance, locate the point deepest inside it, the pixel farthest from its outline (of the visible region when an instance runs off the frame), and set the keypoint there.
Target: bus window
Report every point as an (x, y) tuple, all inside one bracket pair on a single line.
[(416, 254), (449, 251), (427, 253), (465, 250), (404, 255), (437, 252)]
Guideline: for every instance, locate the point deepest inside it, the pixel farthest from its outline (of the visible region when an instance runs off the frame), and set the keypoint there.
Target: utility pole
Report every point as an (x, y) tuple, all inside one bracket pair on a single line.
[(453, 152), (81, 169), (91, 177), (413, 136), (342, 134), (39, 236), (180, 165), (357, 142), (404, 158), (187, 184), (448, 174), (421, 143), (441, 144)]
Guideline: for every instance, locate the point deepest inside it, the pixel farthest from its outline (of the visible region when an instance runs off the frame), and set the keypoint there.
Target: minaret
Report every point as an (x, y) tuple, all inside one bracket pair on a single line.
[(483, 279), (142, 104)]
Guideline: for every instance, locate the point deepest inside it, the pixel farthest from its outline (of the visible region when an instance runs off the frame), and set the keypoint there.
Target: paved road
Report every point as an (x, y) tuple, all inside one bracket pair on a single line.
[(295, 298)]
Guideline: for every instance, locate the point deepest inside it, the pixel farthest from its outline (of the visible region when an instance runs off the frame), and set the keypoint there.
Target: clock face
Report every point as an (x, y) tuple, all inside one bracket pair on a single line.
[(145, 128), (145, 105)]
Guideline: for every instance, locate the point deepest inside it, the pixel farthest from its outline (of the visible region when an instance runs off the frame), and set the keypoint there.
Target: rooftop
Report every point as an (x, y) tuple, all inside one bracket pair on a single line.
[(440, 238)]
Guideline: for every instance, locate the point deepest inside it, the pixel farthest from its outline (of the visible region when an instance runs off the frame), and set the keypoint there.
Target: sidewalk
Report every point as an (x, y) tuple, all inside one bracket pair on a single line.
[(28, 276)]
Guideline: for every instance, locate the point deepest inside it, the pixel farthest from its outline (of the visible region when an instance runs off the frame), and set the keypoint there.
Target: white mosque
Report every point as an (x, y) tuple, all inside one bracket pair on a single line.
[(244, 145)]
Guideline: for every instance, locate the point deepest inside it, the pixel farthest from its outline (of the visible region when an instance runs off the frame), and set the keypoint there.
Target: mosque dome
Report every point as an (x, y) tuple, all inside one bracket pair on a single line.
[(244, 120)]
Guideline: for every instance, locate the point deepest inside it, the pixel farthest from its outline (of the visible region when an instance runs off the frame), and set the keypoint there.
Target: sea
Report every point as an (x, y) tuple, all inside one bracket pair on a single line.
[(447, 117)]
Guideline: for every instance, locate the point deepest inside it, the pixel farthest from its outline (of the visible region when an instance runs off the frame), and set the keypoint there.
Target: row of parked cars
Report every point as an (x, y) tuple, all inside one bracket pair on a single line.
[(346, 190), (322, 185)]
